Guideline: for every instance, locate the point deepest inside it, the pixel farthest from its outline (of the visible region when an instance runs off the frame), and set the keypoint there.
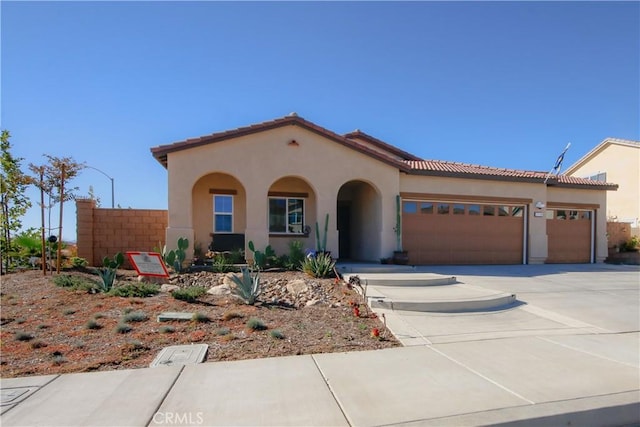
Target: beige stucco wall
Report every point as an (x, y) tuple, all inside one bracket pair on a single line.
[(257, 162), (622, 165), (328, 172)]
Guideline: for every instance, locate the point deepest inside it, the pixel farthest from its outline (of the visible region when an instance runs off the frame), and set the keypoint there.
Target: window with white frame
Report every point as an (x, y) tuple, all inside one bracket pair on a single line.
[(286, 215), (222, 213)]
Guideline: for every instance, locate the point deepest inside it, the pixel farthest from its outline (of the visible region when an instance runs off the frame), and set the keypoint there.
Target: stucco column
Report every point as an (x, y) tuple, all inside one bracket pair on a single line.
[(327, 204), (538, 241), (180, 221), (257, 229)]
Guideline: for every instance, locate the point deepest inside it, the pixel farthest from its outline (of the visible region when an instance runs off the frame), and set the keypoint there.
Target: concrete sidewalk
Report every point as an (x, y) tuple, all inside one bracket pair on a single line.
[(569, 354)]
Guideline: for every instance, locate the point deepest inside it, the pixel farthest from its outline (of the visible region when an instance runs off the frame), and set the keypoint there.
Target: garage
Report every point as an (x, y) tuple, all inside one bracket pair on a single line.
[(464, 232), (569, 235)]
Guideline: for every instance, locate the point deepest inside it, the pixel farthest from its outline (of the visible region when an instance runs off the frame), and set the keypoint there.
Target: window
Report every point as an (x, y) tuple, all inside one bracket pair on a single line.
[(550, 213), (489, 210), (458, 209), (474, 209), (443, 208), (286, 215), (222, 214), (426, 207), (585, 215), (503, 210), (410, 207), (517, 211)]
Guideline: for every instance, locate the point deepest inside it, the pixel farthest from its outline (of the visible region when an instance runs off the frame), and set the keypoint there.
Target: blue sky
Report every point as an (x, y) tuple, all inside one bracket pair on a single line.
[(504, 84)]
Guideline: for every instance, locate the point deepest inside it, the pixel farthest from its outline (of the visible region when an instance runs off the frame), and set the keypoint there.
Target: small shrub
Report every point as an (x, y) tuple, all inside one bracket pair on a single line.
[(20, 320), (256, 324), (78, 262), (277, 334), (200, 317), (167, 329), (58, 358), (42, 326), (296, 255), (220, 264), (135, 316), (76, 283), (79, 343), (230, 315), (135, 290), (319, 266), (23, 336), (38, 344), (190, 294), (68, 311), (98, 315), (228, 337), (128, 310), (223, 331), (92, 324), (123, 328), (247, 288)]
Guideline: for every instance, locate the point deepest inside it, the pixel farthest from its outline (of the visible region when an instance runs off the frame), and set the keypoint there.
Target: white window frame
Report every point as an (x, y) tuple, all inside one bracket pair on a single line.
[(215, 213), (286, 215)]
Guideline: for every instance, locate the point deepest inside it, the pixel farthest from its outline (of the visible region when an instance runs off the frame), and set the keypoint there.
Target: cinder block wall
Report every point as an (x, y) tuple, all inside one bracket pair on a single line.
[(617, 233), (104, 232)]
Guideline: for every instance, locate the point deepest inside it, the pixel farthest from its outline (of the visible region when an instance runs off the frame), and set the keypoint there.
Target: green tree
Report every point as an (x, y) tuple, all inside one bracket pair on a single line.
[(13, 201)]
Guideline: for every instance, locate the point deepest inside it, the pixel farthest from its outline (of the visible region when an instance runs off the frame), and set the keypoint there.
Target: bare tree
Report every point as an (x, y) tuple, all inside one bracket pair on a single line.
[(58, 173)]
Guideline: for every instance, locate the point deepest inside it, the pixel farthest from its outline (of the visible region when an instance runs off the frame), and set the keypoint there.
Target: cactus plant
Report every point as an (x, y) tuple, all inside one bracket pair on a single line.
[(260, 259), (247, 288), (322, 247), (108, 270)]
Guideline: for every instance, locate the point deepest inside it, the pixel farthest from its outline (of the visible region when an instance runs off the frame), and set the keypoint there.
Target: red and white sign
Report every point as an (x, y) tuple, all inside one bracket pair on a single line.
[(148, 264)]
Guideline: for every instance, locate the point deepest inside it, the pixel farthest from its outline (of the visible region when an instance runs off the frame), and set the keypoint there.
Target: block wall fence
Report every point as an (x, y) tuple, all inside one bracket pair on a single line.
[(104, 232)]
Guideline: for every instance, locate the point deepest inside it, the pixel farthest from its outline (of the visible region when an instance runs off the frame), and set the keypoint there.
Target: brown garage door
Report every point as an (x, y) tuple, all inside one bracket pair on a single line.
[(462, 233), (568, 236)]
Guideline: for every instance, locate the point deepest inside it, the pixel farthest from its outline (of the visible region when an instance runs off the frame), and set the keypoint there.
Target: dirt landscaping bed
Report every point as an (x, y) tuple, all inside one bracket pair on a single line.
[(47, 329)]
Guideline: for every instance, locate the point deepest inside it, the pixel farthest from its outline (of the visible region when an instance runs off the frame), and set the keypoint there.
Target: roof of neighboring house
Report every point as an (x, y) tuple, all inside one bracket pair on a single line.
[(389, 154), (599, 148)]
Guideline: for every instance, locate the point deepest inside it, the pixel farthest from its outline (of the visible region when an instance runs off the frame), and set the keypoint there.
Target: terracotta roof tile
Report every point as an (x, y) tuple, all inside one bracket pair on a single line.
[(445, 168)]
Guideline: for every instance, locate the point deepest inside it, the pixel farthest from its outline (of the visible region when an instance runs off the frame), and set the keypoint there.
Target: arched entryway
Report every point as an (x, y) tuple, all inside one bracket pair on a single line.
[(359, 217), (218, 212), (291, 210)]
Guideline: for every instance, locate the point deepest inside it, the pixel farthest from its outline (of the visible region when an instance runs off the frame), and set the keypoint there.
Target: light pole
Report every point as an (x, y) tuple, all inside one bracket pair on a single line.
[(112, 188)]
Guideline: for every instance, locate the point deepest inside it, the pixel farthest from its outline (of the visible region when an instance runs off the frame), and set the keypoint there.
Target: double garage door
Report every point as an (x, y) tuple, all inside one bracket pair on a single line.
[(442, 232)]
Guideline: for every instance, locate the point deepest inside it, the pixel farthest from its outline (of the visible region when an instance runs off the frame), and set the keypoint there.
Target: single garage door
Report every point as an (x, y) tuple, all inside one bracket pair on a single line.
[(569, 236), (440, 232)]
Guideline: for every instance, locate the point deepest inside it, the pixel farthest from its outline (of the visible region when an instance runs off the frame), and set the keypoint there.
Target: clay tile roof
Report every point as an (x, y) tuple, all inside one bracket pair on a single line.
[(358, 134), (466, 170), (387, 153)]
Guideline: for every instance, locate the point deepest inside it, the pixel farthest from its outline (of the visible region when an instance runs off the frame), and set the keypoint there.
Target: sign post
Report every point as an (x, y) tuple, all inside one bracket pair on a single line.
[(148, 264)]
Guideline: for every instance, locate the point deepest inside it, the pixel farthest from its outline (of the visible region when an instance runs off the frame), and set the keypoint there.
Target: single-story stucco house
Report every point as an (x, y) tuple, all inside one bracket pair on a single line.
[(271, 182)]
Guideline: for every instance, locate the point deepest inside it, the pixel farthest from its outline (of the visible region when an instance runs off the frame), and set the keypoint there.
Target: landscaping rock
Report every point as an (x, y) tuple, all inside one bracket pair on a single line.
[(169, 288), (220, 290), (296, 287)]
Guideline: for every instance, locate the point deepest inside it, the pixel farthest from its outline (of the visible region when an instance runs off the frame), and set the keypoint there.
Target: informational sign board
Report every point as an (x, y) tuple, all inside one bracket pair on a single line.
[(148, 264)]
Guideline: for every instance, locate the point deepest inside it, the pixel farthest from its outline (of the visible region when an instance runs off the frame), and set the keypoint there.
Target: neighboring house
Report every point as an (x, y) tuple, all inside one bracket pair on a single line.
[(615, 160), (271, 182)]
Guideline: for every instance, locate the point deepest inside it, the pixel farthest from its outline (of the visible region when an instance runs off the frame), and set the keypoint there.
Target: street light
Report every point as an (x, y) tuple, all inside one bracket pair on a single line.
[(112, 191)]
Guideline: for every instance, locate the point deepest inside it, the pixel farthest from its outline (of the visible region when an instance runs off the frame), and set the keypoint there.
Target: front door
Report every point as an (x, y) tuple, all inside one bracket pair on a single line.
[(344, 229)]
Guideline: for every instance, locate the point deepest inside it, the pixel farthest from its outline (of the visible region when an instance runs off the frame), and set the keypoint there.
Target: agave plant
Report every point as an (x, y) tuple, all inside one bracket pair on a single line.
[(247, 286)]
